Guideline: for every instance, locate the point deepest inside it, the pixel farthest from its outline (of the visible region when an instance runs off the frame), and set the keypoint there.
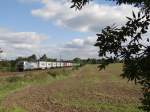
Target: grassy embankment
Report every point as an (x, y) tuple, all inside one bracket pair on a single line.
[(90, 90), (99, 91), (12, 84)]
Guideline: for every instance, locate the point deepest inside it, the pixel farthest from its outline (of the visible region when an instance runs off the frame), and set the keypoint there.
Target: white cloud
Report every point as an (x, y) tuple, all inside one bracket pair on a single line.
[(81, 43), (91, 18), (78, 47), (83, 48), (19, 43), (26, 43)]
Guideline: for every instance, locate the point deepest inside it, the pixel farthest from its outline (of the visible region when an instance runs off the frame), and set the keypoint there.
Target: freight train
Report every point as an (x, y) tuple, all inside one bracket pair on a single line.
[(25, 65)]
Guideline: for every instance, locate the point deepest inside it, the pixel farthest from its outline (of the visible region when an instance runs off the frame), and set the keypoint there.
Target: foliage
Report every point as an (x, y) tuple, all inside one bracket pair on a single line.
[(5, 65), (126, 43), (87, 61), (77, 60), (78, 4), (44, 58), (32, 58), (13, 79)]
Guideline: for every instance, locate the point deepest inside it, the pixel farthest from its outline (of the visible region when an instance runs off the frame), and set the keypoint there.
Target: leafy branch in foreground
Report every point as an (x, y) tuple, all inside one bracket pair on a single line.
[(127, 43), (79, 3), (137, 3)]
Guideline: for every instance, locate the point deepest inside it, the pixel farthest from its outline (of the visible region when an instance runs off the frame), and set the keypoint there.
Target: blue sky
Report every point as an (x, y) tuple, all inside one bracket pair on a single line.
[(51, 27), (16, 15)]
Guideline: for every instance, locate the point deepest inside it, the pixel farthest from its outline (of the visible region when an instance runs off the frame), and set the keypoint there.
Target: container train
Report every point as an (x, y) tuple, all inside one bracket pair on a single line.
[(25, 65)]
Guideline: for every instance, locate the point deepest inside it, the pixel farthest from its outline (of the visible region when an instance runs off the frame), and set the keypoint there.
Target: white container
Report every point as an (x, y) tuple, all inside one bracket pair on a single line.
[(62, 64), (49, 64), (42, 65), (34, 65), (58, 64), (54, 64)]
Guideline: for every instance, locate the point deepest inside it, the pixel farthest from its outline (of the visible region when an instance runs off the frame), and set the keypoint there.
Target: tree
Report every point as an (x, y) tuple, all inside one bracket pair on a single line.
[(77, 60), (1, 51), (21, 59), (44, 58), (51, 59), (125, 43), (32, 58), (138, 3)]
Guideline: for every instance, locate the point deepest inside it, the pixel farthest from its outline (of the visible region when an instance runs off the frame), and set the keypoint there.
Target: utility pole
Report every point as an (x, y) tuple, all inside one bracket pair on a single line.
[(1, 51), (60, 56), (0, 55)]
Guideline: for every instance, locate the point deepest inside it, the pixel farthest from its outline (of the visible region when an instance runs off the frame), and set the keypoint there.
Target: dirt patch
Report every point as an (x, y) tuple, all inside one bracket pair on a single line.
[(2, 74)]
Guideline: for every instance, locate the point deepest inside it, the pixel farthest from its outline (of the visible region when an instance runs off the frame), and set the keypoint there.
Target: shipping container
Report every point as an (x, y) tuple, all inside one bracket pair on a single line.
[(54, 64), (49, 64), (58, 64), (62, 64), (42, 65)]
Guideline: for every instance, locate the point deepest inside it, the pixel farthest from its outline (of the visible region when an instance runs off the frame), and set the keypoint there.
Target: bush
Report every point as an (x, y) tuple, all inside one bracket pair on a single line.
[(53, 74), (13, 79)]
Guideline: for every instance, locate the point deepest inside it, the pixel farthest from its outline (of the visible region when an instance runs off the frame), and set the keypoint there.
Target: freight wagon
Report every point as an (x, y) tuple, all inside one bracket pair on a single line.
[(42, 65)]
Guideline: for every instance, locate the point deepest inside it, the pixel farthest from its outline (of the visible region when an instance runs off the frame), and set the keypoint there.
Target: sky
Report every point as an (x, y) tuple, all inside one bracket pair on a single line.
[(50, 27)]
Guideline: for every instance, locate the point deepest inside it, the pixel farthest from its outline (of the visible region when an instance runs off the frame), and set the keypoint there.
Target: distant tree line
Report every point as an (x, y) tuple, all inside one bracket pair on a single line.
[(10, 65), (34, 58), (94, 61)]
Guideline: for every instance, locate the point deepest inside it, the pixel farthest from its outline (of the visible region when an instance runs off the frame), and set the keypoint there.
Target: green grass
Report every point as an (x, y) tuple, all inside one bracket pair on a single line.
[(90, 90), (9, 85), (100, 91), (4, 69), (13, 109), (103, 106)]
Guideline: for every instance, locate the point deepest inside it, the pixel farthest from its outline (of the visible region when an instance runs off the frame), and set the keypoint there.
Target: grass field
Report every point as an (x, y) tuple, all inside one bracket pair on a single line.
[(83, 90)]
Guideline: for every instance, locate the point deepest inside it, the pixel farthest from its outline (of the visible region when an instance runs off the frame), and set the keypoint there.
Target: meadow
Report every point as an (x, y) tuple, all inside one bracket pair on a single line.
[(65, 90)]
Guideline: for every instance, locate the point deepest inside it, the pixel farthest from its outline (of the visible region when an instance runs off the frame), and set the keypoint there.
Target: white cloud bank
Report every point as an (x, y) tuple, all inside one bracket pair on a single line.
[(19, 43), (91, 18), (81, 47), (26, 43)]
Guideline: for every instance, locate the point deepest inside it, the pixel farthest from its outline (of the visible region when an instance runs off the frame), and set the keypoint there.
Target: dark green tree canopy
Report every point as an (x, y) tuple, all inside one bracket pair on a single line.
[(44, 58), (77, 60), (32, 58)]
